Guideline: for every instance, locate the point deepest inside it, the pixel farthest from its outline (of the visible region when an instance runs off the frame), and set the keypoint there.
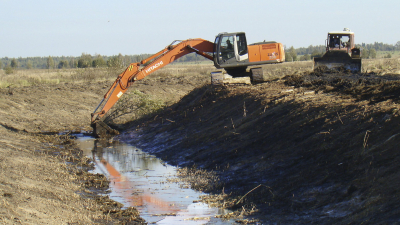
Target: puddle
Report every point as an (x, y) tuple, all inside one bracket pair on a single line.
[(140, 180)]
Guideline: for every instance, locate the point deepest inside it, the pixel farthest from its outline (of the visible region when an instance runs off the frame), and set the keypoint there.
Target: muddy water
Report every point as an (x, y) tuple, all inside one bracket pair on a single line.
[(145, 182)]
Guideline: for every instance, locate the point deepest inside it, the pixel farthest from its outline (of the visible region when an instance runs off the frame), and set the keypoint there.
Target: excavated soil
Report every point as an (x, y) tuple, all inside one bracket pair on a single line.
[(309, 148)]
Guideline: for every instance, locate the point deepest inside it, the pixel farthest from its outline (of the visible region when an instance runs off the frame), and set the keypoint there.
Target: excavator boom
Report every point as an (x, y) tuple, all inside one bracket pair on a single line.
[(136, 71), (229, 52)]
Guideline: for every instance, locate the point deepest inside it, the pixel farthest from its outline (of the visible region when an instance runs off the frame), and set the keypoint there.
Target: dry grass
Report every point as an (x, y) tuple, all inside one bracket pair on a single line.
[(273, 71), (276, 71), (184, 69), (43, 76), (381, 65)]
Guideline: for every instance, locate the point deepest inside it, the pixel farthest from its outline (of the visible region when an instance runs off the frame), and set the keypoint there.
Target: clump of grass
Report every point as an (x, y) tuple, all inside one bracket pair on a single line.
[(198, 179), (8, 70), (4, 84)]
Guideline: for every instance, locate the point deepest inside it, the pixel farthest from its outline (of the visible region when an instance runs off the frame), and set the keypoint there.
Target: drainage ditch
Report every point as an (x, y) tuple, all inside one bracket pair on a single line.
[(143, 181)]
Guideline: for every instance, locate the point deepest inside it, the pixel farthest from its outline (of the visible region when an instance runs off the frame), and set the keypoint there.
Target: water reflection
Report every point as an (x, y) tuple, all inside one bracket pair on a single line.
[(140, 180)]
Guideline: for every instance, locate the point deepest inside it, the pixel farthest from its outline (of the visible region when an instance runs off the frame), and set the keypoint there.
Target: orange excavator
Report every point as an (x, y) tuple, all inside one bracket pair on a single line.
[(229, 51)]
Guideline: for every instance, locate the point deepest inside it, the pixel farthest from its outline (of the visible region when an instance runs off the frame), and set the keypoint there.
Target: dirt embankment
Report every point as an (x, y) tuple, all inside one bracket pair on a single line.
[(309, 148), (41, 180)]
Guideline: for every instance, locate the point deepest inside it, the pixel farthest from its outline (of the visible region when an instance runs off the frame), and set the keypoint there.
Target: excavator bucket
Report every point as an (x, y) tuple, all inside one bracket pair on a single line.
[(338, 60), (102, 130)]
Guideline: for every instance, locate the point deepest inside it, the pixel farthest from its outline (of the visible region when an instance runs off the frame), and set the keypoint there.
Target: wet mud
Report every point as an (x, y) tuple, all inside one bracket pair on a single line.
[(160, 192), (95, 186)]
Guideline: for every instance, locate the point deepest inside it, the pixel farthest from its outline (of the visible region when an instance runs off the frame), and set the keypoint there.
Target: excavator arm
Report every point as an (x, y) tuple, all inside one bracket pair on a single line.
[(136, 71)]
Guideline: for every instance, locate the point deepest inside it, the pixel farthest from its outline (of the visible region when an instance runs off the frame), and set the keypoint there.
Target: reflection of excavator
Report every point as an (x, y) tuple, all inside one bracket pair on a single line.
[(122, 184), (229, 51), (340, 52)]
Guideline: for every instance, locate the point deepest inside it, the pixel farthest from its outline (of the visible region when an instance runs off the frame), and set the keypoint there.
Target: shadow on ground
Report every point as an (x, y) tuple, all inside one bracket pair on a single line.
[(319, 148)]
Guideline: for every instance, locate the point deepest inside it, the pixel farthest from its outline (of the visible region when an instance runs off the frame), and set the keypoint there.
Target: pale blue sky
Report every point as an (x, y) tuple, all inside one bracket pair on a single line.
[(70, 28)]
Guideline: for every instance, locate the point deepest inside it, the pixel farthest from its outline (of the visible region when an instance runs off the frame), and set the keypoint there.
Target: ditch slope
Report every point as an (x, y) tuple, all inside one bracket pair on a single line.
[(310, 148), (43, 174)]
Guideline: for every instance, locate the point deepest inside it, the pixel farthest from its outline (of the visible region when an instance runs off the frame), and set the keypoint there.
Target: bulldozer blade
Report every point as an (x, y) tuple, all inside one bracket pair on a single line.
[(336, 60), (102, 130)]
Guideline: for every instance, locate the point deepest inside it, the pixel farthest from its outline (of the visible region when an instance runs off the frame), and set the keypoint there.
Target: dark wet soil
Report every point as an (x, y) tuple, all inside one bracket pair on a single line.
[(95, 186), (310, 148)]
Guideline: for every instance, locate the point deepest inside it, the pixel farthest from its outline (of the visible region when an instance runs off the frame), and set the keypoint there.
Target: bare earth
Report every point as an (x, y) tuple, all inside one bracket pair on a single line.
[(310, 148), (307, 148)]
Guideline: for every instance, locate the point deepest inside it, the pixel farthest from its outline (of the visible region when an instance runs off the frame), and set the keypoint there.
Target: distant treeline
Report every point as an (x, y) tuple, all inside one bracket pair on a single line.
[(83, 61), (368, 51), (379, 46), (87, 60), (291, 54)]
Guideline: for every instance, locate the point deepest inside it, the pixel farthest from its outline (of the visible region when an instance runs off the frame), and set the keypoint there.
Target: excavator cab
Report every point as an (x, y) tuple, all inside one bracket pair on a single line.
[(230, 51)]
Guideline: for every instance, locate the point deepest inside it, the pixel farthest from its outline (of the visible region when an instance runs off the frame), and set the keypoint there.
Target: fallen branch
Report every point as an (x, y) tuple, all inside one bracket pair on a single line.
[(269, 188)]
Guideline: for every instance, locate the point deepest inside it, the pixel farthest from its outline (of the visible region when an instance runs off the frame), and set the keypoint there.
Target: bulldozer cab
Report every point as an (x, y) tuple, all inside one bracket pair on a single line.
[(230, 50), (343, 41)]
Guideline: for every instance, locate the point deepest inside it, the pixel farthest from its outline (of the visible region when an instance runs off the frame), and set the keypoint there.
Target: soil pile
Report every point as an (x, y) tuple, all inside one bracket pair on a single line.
[(309, 148)]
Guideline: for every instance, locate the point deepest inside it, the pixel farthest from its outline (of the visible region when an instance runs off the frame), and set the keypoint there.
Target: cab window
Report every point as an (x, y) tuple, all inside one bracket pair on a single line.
[(345, 41), (241, 44), (226, 49)]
